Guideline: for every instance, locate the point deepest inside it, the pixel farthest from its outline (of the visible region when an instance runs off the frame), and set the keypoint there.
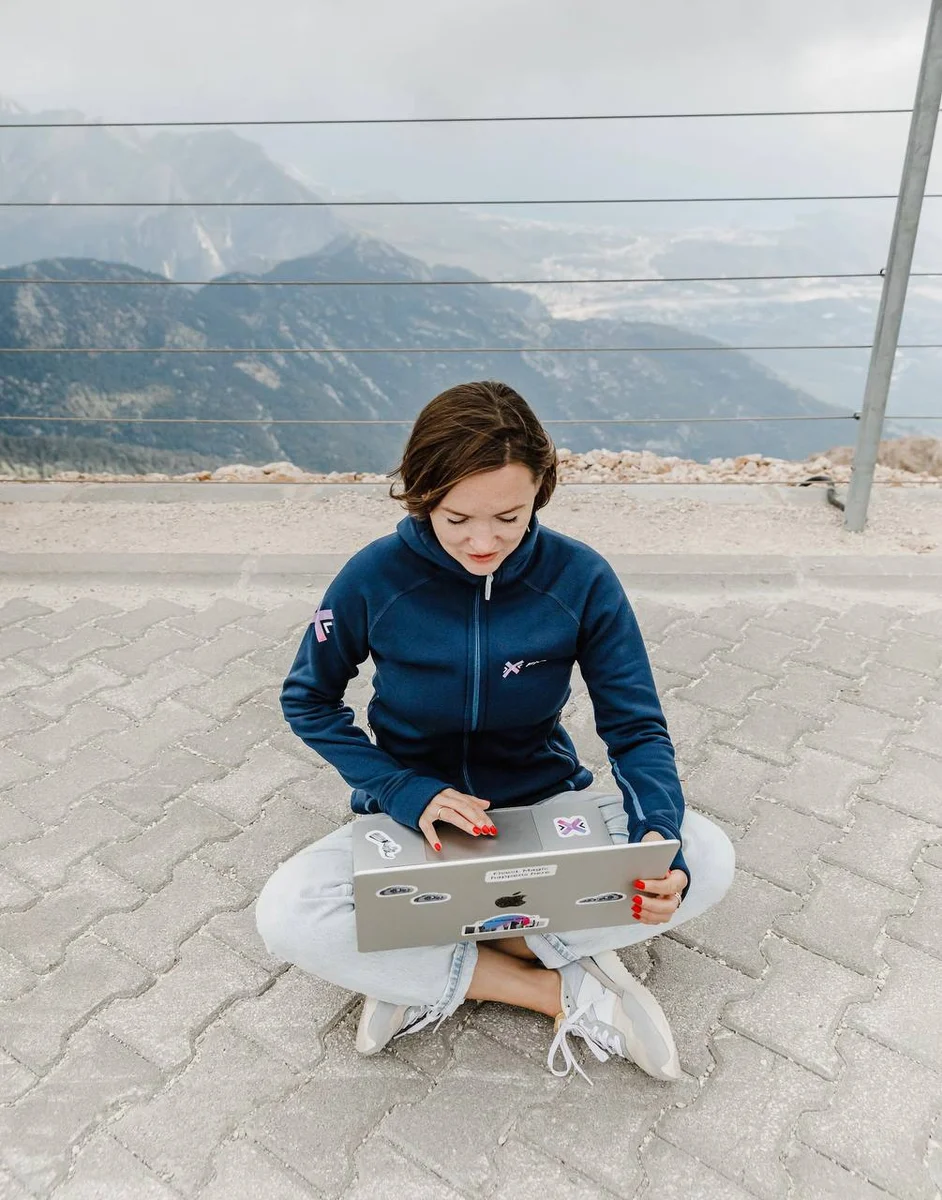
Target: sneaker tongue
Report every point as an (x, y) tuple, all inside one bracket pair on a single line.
[(590, 991), (576, 987)]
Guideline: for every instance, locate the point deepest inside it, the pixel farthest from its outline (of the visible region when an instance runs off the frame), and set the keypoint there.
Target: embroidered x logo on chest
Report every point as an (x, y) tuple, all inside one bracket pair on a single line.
[(514, 668)]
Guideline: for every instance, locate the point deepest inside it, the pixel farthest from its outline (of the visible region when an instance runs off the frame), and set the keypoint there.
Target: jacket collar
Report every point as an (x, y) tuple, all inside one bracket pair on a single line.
[(419, 536)]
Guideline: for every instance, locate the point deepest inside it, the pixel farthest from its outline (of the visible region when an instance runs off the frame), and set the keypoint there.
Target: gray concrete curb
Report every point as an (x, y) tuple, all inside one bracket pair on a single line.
[(687, 572)]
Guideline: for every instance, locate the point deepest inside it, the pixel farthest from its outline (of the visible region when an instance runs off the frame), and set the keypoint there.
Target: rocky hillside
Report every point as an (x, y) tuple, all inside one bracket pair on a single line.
[(923, 457), (122, 164), (298, 386)]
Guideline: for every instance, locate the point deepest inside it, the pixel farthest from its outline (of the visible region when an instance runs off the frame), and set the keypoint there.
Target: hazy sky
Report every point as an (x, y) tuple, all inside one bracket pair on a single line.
[(218, 59), (295, 58), (360, 58)]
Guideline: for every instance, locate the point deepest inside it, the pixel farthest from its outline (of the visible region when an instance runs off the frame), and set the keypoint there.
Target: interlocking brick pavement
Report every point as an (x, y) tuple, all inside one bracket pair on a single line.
[(768, 1094), (150, 1047), (781, 843), (798, 1006), (879, 1091)]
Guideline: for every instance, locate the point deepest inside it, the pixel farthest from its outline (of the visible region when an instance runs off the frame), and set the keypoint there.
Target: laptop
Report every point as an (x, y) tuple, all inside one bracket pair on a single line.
[(552, 867)]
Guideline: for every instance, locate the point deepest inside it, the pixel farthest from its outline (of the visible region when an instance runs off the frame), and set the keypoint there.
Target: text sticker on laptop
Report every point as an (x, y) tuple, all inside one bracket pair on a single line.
[(571, 826)]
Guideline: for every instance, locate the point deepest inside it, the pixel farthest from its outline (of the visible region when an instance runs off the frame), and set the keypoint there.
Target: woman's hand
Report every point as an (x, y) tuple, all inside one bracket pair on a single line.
[(659, 907), (467, 812)]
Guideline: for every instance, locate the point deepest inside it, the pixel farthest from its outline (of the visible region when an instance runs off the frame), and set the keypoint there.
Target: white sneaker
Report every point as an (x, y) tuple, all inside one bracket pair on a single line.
[(613, 1013), (381, 1021)]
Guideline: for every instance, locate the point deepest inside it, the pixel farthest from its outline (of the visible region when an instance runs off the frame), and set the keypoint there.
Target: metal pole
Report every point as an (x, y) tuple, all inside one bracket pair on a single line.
[(898, 265)]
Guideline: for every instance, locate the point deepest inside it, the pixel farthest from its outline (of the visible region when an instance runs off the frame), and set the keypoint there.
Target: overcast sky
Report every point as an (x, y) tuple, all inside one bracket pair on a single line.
[(343, 58)]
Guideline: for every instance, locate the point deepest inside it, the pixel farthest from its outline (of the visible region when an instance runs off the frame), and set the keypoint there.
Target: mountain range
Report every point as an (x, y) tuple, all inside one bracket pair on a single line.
[(296, 382), (189, 242), (100, 164)]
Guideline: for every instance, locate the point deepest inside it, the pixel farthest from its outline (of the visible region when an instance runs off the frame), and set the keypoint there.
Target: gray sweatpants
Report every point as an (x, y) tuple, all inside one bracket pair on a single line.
[(305, 916)]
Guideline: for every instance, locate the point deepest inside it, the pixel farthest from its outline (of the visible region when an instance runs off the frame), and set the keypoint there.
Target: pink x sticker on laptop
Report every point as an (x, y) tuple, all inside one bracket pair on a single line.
[(571, 826)]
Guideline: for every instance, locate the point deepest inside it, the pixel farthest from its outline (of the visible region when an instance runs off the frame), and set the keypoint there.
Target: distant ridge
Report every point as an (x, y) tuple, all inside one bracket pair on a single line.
[(366, 387), (121, 164)]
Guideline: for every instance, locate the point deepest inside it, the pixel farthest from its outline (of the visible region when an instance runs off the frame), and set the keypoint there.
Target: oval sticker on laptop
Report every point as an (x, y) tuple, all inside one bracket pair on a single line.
[(398, 889), (603, 898), (431, 898)]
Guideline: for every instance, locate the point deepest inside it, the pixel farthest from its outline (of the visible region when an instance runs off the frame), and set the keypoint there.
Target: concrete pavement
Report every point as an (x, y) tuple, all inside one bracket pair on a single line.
[(150, 1048)]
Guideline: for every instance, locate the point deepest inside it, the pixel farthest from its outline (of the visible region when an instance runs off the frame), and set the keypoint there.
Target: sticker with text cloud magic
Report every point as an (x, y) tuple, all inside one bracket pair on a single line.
[(508, 874), (400, 889), (603, 898), (383, 843), (431, 898), (571, 826), (504, 923)]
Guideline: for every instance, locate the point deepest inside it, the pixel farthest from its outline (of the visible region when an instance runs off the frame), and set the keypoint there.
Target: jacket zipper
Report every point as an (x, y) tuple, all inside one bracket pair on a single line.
[(574, 763), (476, 683)]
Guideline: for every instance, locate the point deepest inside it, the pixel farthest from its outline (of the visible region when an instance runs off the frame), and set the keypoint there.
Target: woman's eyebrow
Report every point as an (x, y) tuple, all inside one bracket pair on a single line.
[(500, 514)]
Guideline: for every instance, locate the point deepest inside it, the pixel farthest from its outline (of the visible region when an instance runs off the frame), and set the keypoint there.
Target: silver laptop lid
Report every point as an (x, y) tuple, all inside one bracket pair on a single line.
[(557, 826)]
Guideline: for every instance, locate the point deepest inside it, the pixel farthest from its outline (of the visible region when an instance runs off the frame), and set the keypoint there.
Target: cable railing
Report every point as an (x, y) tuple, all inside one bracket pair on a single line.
[(454, 203), (314, 202), (240, 123), (408, 420), (162, 281), (469, 350)]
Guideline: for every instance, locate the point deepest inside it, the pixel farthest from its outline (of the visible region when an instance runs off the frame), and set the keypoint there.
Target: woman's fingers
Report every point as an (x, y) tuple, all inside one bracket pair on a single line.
[(454, 794), (427, 826), (673, 881), (660, 907), (460, 800), (651, 910), (464, 812), (470, 809)]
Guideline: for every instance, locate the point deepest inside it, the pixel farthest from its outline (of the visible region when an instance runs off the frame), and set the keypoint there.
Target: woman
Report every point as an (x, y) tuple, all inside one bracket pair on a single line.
[(474, 615)]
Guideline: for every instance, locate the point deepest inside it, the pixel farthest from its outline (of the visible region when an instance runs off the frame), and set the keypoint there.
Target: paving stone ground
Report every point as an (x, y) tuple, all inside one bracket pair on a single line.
[(150, 1048)]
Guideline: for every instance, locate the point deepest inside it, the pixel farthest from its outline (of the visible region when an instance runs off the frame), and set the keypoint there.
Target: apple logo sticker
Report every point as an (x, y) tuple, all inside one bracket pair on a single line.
[(513, 901)]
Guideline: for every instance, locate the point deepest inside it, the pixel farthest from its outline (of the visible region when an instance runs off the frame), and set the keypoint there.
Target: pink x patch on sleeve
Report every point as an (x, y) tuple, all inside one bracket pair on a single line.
[(323, 623)]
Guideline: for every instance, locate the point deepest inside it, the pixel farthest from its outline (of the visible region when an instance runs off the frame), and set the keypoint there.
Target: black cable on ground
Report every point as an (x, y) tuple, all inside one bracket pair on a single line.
[(832, 497)]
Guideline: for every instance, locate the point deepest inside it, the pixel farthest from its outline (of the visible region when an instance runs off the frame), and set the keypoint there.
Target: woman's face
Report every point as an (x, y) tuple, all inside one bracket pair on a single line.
[(482, 519)]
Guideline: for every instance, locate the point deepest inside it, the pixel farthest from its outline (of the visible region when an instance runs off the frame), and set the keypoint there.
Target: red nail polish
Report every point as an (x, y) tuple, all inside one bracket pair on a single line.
[(636, 915), (476, 831), (638, 883), (438, 845), (494, 831), (636, 903)]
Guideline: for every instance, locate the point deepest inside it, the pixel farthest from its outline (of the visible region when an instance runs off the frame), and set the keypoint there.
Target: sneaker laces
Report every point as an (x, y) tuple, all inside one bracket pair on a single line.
[(602, 1045), (424, 1016)]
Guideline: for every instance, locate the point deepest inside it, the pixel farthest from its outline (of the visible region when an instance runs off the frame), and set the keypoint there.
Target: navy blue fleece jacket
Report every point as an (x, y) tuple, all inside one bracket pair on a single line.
[(471, 677)]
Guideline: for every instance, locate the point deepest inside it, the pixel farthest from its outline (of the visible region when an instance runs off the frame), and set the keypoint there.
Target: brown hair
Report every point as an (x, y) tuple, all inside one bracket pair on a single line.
[(467, 429)]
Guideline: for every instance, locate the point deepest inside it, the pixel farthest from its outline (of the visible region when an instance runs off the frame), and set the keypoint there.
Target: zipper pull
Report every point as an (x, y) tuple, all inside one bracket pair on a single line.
[(487, 587)]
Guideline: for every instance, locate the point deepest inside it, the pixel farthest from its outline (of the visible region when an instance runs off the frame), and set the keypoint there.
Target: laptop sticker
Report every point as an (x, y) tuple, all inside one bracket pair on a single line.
[(504, 922), (384, 843), (399, 889), (571, 826), (508, 874), (431, 898), (603, 898), (513, 901)]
